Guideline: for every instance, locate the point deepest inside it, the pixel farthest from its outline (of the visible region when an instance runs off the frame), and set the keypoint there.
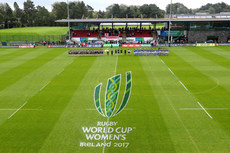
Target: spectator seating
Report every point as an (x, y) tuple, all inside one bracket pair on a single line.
[(113, 32), (85, 33), (139, 33)]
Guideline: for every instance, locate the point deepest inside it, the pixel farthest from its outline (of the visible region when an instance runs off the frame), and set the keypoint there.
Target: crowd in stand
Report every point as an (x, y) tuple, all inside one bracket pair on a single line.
[(106, 32)]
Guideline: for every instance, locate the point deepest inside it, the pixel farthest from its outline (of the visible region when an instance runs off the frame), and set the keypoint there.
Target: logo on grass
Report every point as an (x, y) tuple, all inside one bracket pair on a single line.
[(111, 96)]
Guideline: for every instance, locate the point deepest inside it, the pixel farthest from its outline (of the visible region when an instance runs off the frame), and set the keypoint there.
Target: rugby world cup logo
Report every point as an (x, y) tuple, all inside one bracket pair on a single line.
[(111, 95)]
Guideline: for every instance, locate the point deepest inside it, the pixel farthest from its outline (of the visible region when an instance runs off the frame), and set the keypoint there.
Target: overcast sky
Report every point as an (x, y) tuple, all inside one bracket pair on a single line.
[(102, 4)]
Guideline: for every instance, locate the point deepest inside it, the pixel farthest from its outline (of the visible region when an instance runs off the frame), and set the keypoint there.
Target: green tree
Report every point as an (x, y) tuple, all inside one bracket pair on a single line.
[(214, 8), (59, 10), (18, 14), (178, 8), (90, 11), (42, 16), (79, 10), (29, 12), (113, 11), (100, 14), (151, 11), (6, 14), (2, 23), (134, 12)]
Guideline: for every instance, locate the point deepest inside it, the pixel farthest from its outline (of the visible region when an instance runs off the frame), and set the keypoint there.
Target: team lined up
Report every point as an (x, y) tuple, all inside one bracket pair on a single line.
[(149, 52), (140, 52)]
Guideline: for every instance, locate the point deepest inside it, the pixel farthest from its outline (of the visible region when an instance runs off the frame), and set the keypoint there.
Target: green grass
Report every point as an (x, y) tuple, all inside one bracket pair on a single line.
[(55, 95), (33, 33)]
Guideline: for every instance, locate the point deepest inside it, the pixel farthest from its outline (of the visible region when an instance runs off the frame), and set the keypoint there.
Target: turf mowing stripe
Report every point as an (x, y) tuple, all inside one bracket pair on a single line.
[(195, 79), (220, 60), (115, 71), (20, 60), (191, 78), (31, 84), (26, 131), (13, 75), (6, 51), (167, 88), (11, 56), (151, 134), (225, 52), (160, 81), (219, 74), (76, 114), (187, 90), (35, 94), (225, 49), (205, 108)]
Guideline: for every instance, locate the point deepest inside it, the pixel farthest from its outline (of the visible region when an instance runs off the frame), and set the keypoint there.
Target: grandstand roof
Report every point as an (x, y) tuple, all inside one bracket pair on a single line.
[(142, 20)]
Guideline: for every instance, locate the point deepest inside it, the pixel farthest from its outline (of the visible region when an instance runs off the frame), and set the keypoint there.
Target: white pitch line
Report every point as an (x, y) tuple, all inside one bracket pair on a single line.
[(7, 109), (89, 109), (108, 117), (202, 109), (168, 68), (17, 110), (31, 109), (183, 85), (116, 66), (44, 86), (187, 90), (35, 94), (205, 110), (171, 72)]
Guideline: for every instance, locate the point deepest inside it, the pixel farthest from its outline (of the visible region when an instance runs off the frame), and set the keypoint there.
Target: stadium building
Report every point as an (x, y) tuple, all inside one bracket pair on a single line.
[(198, 28)]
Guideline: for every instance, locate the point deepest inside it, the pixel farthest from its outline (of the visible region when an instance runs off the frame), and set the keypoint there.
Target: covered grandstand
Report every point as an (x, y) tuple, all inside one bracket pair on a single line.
[(198, 28)]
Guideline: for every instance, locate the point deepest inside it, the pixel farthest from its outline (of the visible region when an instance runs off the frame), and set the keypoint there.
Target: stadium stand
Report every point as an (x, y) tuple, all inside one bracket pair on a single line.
[(130, 32)]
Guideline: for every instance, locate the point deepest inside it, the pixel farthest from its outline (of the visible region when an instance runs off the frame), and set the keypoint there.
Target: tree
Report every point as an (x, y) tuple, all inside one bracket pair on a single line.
[(60, 10), (134, 12), (214, 8), (151, 11), (90, 11), (2, 23), (42, 16), (18, 14), (79, 10), (9, 16), (113, 11), (30, 12), (6, 14), (178, 8), (101, 14)]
